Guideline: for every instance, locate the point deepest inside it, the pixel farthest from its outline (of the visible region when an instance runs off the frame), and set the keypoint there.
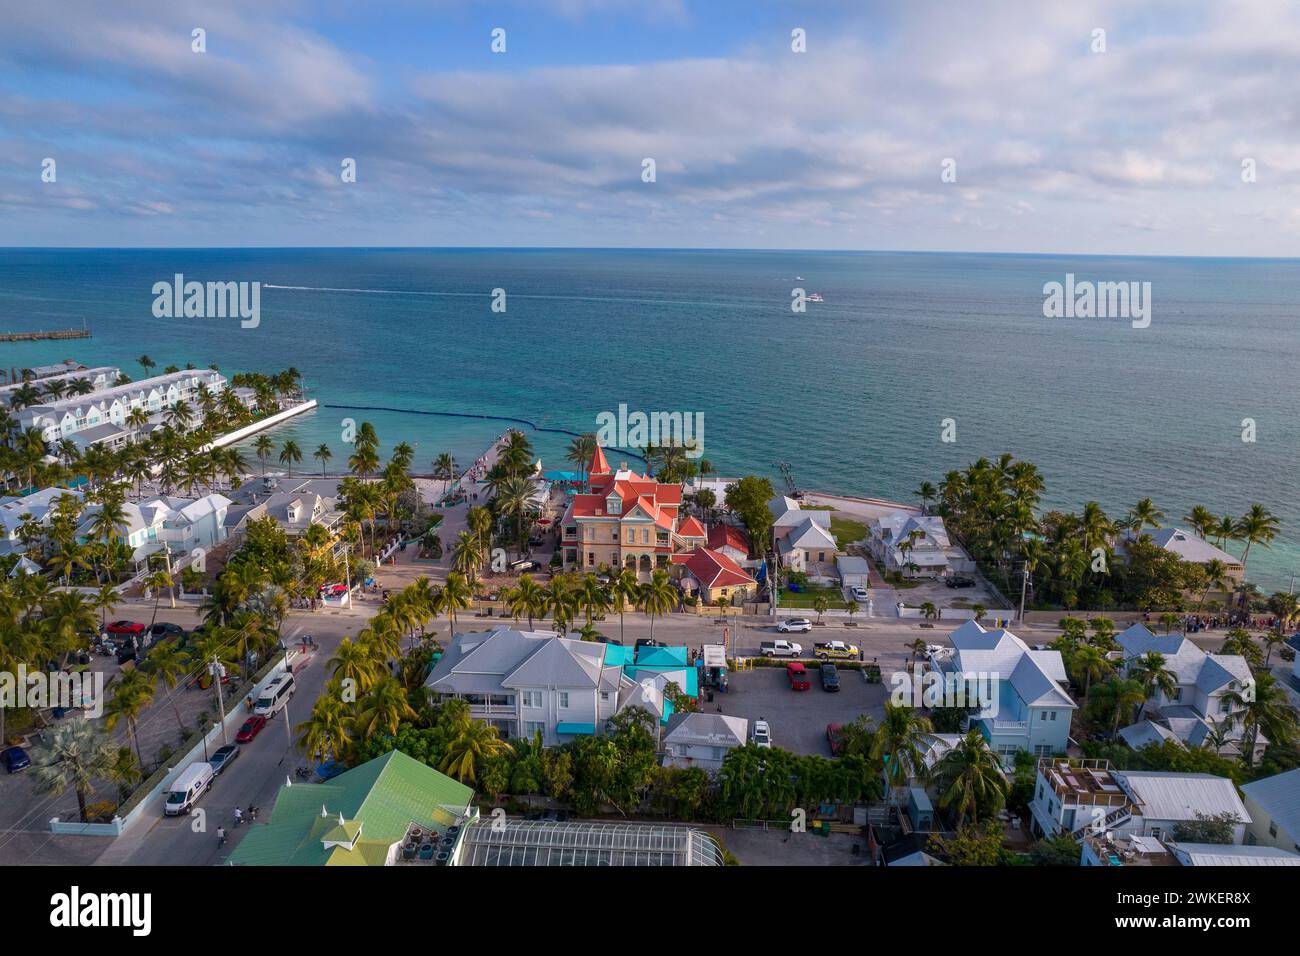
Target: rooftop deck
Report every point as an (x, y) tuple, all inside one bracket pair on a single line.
[(1084, 782)]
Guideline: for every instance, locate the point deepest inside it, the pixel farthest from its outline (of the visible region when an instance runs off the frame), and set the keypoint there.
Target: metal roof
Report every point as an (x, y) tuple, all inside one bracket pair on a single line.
[(540, 843)]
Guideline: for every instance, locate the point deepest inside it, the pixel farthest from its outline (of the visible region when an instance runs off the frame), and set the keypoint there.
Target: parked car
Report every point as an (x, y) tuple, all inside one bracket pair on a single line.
[(834, 739), (646, 642), (959, 581), (519, 567), (251, 728), (795, 625), (835, 650), (780, 648), (797, 674), (548, 816), (761, 734), (16, 758), (223, 757), (125, 627), (608, 640), (830, 677), (333, 590), (163, 630), (860, 594)]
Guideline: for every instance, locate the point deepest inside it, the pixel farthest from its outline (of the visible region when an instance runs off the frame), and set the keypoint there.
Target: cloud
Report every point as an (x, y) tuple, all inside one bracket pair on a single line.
[(837, 146)]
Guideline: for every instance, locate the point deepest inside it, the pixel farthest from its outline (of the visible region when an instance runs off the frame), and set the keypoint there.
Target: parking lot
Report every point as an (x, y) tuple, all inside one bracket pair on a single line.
[(799, 718)]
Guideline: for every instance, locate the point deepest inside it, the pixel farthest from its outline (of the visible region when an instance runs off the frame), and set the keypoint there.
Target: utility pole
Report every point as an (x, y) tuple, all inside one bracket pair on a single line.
[(1024, 581), (217, 669)]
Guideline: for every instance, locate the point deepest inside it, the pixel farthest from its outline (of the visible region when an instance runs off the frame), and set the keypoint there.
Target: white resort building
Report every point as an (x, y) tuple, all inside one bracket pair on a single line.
[(107, 410)]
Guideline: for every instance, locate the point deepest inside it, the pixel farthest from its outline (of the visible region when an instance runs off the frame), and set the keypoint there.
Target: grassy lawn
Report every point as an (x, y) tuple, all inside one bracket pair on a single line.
[(805, 596), (846, 531)]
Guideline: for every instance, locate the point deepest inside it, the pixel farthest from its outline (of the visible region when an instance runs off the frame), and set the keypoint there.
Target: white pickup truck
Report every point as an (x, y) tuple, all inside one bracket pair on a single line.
[(780, 648)]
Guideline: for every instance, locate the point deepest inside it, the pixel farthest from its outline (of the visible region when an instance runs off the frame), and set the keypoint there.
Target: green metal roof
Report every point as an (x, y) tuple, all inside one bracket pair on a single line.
[(380, 798)]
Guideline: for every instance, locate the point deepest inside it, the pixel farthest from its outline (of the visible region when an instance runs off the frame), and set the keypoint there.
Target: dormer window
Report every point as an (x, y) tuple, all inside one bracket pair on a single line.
[(613, 505)]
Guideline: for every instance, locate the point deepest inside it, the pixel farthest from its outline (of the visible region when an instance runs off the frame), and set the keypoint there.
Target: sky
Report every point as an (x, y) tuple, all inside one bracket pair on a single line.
[(1177, 138)]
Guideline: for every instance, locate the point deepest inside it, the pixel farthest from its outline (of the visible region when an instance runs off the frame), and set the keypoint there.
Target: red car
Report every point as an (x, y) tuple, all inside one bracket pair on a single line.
[(834, 739), (798, 676), (125, 627), (252, 727)]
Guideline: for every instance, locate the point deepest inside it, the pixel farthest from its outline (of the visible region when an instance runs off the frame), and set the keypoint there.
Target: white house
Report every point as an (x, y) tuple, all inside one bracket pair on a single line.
[(1274, 807), (1081, 797), (1199, 705), (1188, 546), (803, 538), (165, 523), (525, 682), (702, 740), (1030, 709), (911, 544), (38, 507)]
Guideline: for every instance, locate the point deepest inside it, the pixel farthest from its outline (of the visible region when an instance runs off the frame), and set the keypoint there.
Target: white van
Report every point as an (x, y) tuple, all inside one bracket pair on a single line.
[(190, 784), (274, 696)]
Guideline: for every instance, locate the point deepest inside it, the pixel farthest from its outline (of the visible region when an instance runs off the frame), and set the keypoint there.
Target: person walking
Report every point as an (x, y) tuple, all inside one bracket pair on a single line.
[(239, 816), (221, 836)]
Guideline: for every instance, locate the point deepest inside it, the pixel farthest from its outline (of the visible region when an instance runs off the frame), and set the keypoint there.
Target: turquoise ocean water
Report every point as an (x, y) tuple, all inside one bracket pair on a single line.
[(852, 393)]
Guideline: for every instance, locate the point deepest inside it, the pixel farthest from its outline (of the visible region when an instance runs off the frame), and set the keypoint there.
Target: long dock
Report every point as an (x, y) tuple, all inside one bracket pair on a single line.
[(82, 333)]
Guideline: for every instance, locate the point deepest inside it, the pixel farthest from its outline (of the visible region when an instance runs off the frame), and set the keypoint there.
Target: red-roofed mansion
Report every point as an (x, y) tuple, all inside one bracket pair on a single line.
[(626, 521)]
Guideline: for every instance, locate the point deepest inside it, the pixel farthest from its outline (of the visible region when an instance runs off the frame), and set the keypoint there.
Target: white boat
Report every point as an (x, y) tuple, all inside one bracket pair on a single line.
[(815, 297)]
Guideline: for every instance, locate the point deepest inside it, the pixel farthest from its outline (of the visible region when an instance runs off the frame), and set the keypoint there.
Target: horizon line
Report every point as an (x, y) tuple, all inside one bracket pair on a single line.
[(577, 248)]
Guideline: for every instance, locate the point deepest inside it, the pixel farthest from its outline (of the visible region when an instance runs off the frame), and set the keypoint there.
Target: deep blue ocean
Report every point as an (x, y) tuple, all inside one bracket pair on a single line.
[(851, 393)]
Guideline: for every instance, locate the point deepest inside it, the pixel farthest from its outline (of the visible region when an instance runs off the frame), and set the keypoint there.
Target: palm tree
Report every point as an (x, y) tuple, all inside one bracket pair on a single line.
[(1091, 664), (1117, 695), (527, 599), (158, 582), (657, 596), (1144, 513), (456, 596), (354, 662), (625, 589), (1215, 575), (263, 446), (472, 742), (1224, 531), (927, 493), (467, 554), (133, 695), (581, 450), (592, 597), (900, 744), (1201, 520), (290, 455), (479, 520), (168, 663), (1151, 672), (146, 363), (444, 468), (971, 776), (75, 755), (323, 455), (381, 711), (1264, 707), (1256, 526), (326, 733)]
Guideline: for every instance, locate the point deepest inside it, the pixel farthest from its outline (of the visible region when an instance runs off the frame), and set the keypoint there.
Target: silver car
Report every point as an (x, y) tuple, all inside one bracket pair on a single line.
[(762, 735)]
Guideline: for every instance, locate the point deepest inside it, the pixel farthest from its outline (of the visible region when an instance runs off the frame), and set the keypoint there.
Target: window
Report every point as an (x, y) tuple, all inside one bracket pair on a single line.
[(534, 727), (1272, 828), (532, 698), (604, 696), (564, 699), (719, 753), (645, 535)]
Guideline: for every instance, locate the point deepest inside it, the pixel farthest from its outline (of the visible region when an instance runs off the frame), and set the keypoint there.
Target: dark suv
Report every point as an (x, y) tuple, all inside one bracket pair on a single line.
[(830, 677)]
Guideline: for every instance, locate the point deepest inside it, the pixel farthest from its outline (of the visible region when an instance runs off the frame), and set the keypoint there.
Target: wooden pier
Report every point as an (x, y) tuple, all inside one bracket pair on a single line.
[(81, 333)]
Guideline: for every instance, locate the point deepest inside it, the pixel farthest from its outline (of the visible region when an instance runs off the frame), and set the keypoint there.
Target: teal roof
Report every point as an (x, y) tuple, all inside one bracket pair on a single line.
[(378, 801), (575, 728), (616, 655), (662, 657)]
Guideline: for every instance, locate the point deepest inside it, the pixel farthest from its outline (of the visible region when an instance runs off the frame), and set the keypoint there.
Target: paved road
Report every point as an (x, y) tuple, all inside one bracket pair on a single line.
[(255, 777)]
